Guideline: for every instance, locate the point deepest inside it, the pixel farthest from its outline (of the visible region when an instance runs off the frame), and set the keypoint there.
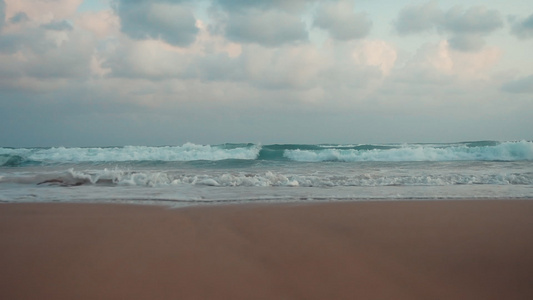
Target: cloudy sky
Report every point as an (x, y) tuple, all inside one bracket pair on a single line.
[(161, 72)]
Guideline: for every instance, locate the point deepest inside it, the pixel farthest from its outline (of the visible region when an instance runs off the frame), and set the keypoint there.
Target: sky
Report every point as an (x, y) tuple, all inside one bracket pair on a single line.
[(160, 72)]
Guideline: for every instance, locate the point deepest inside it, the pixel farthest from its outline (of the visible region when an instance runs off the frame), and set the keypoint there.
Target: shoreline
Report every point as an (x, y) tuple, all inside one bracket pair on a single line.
[(179, 204), (401, 249)]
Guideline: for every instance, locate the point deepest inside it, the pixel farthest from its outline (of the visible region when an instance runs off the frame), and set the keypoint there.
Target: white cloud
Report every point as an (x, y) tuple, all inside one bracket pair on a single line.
[(42, 11), (466, 27), (376, 53), (341, 21), (103, 24), (445, 60), (258, 71), (212, 43), (210, 57), (44, 52), (287, 67), (146, 59)]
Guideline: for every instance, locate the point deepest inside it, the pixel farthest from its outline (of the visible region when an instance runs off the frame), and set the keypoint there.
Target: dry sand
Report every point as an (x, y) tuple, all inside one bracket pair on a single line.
[(357, 250)]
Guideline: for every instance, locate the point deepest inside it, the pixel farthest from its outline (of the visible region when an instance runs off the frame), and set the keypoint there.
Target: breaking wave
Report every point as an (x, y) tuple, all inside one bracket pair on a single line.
[(478, 151), (118, 177), (469, 151)]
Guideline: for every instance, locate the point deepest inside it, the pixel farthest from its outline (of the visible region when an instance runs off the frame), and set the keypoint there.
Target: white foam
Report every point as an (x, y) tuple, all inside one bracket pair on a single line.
[(277, 179), (187, 152), (507, 151)]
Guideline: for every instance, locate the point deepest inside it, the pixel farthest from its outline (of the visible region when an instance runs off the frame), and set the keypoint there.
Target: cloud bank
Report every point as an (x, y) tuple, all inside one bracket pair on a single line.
[(168, 72), (466, 28), (341, 21)]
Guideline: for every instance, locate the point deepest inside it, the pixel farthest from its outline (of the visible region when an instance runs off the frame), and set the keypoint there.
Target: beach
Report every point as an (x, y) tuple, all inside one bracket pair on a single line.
[(460, 249)]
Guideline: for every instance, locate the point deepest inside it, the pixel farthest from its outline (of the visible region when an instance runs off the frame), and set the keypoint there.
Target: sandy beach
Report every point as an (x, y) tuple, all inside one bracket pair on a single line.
[(344, 250)]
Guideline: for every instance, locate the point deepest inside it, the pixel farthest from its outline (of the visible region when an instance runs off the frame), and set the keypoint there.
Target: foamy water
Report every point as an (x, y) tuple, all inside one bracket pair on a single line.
[(191, 174)]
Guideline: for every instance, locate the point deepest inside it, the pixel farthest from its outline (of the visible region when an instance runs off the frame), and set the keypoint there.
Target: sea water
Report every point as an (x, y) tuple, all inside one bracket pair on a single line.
[(193, 174)]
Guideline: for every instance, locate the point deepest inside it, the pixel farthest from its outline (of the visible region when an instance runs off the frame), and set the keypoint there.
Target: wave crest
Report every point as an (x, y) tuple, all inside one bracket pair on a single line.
[(507, 151), (118, 177), (469, 151)]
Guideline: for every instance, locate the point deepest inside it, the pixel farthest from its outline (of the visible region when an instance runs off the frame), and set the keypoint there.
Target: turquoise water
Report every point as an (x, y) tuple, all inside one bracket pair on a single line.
[(193, 174)]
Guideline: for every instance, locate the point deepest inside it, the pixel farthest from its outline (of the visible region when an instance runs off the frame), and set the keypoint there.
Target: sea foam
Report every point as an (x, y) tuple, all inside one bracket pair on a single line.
[(187, 152), (507, 151), (148, 178), (471, 151)]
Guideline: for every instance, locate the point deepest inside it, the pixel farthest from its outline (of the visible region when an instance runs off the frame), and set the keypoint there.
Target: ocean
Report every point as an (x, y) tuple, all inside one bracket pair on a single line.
[(193, 174)]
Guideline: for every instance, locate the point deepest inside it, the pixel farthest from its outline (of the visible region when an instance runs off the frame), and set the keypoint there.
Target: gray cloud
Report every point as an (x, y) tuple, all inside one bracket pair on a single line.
[(466, 27), (136, 61), (31, 39), (170, 21), (44, 55), (521, 85), (467, 42), (474, 20), (523, 28), (268, 28), (161, 66), (57, 25), (416, 19), (469, 27), (236, 5), (19, 18), (342, 22), (130, 62), (2, 13), (49, 92), (9, 43), (216, 67), (269, 23), (67, 61)]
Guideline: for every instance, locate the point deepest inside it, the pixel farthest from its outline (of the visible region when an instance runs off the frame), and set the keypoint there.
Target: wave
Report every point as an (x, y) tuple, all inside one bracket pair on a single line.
[(186, 152), (473, 151), (147, 178), (11, 160)]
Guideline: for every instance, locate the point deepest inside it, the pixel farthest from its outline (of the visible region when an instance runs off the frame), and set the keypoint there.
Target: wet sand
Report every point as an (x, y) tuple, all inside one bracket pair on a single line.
[(350, 250)]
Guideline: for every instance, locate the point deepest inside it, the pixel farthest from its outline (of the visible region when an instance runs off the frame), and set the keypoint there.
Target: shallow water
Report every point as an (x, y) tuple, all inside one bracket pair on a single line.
[(194, 174)]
